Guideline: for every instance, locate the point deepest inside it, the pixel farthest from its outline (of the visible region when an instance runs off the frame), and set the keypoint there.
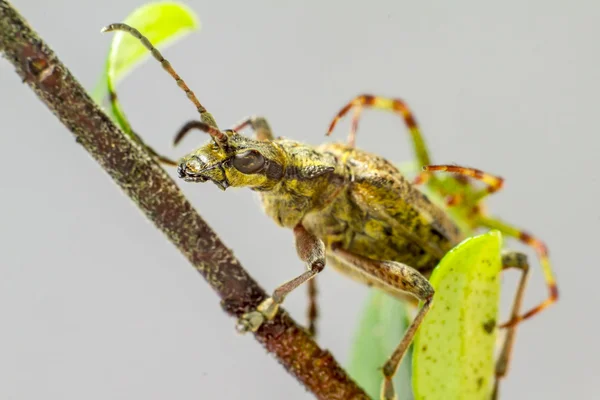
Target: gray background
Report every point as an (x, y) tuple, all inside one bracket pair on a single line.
[(96, 304)]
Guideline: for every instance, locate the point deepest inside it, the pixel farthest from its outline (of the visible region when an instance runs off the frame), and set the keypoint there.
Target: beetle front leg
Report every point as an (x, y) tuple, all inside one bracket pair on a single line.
[(259, 124), (311, 250)]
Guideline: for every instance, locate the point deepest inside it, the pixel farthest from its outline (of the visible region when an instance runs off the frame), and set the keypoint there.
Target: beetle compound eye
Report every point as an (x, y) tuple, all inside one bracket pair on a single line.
[(249, 162)]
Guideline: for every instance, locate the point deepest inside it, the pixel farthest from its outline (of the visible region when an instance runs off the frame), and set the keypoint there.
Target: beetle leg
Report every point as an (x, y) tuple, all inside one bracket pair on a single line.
[(260, 126), (542, 253), (451, 200), (396, 277), (313, 308), (515, 319), (397, 106), (493, 183), (517, 260), (354, 125), (311, 250)]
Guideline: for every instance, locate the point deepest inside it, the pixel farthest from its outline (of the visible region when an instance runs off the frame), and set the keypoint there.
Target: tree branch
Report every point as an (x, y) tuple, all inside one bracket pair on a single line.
[(148, 185)]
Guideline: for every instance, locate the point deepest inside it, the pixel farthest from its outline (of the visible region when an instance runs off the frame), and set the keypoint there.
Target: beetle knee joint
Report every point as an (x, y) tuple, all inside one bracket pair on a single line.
[(318, 265)]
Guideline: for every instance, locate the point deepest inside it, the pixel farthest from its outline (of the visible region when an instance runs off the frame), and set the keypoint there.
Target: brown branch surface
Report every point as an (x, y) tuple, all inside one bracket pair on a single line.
[(147, 184)]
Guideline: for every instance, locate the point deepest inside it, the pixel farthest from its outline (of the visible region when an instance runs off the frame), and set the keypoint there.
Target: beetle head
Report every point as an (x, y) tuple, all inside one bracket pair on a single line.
[(231, 159)]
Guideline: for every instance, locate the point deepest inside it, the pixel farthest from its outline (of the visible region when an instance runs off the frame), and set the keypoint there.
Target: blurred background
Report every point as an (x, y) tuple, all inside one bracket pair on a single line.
[(96, 304)]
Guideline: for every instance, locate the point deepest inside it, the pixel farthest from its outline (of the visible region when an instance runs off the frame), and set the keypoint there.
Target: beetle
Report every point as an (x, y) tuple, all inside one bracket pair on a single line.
[(354, 210)]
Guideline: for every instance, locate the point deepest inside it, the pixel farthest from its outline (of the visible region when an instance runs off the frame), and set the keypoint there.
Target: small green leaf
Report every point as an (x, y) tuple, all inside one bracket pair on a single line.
[(380, 330), (453, 354), (161, 23)]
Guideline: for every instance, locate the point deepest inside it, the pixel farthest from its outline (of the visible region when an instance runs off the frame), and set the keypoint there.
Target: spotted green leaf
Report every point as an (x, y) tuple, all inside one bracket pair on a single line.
[(382, 326), (162, 23), (453, 352)]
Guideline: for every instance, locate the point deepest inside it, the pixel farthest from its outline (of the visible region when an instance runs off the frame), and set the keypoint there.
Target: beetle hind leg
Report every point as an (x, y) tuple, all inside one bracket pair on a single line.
[(461, 174), (395, 105), (397, 279), (518, 261), (542, 254)]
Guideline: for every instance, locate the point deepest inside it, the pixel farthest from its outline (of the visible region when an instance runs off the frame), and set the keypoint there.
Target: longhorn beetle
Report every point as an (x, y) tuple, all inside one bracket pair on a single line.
[(353, 210)]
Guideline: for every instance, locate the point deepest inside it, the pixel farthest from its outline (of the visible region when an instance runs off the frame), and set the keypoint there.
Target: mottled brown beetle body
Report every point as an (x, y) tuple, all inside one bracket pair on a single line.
[(337, 206), (348, 198)]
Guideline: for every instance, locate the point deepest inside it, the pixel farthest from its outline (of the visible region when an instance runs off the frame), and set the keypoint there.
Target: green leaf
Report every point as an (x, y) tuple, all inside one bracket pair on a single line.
[(162, 23), (381, 328), (453, 354)]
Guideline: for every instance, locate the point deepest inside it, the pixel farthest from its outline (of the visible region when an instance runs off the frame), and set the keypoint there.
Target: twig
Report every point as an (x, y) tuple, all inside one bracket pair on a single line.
[(147, 184)]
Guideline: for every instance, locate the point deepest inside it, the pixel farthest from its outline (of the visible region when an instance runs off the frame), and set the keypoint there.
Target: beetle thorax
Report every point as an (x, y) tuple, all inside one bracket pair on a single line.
[(312, 180)]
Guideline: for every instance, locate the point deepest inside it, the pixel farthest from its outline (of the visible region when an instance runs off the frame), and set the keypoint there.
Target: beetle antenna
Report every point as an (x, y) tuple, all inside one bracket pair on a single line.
[(219, 136), (205, 116)]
